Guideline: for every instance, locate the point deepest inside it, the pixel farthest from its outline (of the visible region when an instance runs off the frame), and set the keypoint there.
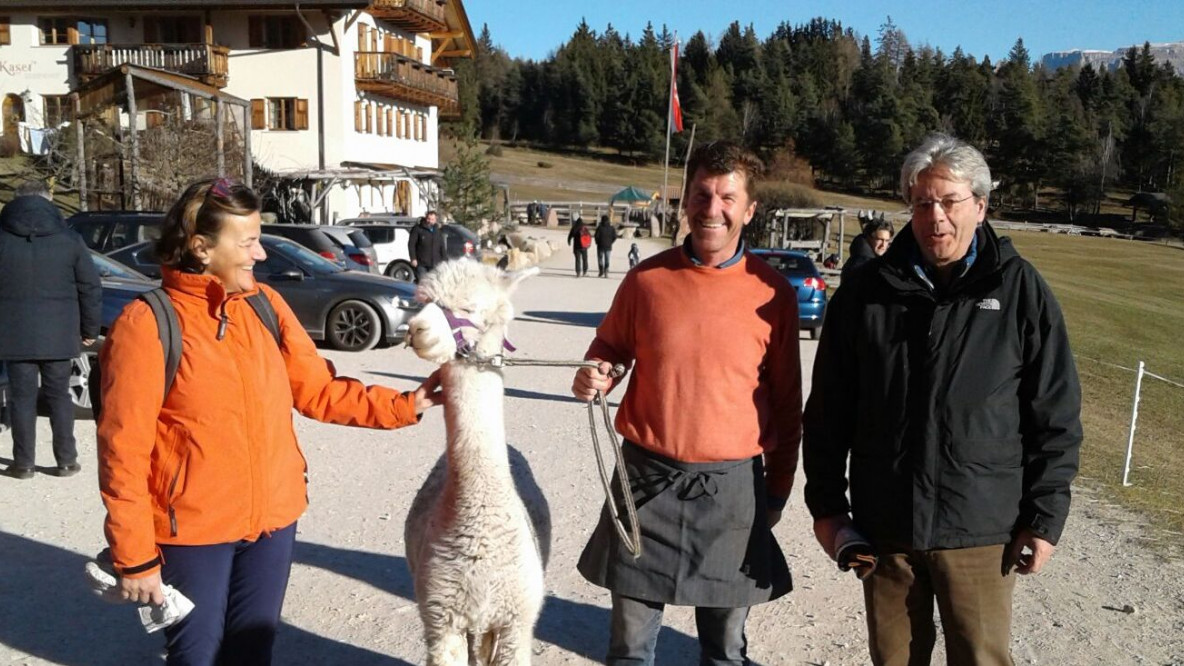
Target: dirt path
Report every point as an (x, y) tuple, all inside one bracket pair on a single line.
[(349, 601)]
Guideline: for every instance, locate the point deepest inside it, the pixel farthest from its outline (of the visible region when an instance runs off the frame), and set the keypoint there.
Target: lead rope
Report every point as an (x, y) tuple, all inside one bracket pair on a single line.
[(631, 537)]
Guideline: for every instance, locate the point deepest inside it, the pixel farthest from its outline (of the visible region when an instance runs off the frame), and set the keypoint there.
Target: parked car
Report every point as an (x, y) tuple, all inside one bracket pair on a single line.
[(351, 311), (458, 240), (799, 269), (313, 237), (359, 251), (109, 230), (390, 244)]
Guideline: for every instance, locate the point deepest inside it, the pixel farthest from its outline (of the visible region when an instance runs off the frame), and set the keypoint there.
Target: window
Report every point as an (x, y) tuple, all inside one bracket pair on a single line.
[(172, 30), (55, 30), (67, 30), (5, 31), (57, 109), (279, 113), (275, 32), (92, 31)]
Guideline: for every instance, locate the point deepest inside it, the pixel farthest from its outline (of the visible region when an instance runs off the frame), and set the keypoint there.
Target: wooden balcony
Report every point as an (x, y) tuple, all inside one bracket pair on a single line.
[(209, 63), (400, 77), (412, 15)]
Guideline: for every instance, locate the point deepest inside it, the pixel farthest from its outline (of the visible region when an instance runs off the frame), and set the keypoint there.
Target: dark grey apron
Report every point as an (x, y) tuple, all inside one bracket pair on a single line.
[(704, 533)]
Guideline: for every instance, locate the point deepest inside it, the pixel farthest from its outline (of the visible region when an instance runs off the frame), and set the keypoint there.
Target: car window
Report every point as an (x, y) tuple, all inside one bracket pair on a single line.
[(111, 268), (91, 232), (148, 232), (273, 265), (380, 235), (360, 239), (303, 256), (789, 264)]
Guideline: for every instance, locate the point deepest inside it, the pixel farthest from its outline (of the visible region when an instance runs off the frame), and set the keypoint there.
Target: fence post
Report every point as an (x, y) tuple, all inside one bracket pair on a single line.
[(1130, 442)]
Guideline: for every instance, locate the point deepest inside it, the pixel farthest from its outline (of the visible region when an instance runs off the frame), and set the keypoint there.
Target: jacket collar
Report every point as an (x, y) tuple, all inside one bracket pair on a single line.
[(901, 263), (199, 287)]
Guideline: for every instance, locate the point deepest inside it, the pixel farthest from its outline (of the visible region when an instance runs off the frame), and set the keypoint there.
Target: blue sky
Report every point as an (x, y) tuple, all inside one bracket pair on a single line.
[(534, 28)]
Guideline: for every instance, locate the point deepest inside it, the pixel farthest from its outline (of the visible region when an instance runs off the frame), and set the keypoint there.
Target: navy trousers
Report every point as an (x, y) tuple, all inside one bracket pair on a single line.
[(55, 386), (581, 260), (238, 592)]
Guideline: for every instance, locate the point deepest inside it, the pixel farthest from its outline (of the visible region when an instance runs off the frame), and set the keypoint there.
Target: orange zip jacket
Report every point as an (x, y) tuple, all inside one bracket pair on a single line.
[(219, 462)]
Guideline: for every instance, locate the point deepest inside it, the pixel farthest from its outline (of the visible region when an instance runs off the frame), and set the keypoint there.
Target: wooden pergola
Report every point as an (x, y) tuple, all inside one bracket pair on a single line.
[(127, 87)]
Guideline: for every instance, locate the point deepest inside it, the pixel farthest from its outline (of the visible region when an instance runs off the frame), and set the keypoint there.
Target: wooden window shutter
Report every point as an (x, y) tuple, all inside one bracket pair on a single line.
[(369, 118), (301, 114), (387, 44), (361, 37), (5, 31), (419, 53), (358, 127), (255, 32), (380, 127), (374, 40), (72, 34), (258, 114), (390, 128)]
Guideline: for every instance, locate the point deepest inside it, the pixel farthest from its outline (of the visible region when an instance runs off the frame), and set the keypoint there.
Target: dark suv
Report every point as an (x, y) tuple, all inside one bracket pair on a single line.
[(108, 230), (312, 237)]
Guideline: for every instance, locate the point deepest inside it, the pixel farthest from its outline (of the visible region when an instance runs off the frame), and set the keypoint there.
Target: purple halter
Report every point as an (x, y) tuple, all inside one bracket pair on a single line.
[(464, 348)]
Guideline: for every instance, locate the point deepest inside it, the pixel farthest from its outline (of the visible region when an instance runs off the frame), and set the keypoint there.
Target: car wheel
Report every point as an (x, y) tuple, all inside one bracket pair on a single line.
[(80, 377), (353, 326), (401, 271)]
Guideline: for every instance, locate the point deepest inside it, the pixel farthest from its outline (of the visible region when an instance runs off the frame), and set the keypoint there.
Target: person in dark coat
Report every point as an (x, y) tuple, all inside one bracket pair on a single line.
[(946, 400), (872, 243), (50, 306), (575, 240), (425, 245), (606, 235)]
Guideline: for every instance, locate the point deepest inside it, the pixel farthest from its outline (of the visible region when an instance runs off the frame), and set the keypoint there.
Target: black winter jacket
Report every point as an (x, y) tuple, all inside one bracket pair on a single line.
[(50, 294), (426, 245), (959, 409), (605, 236)]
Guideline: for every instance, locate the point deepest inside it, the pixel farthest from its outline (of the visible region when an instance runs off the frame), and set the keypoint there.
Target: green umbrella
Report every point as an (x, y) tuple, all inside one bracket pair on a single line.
[(631, 195)]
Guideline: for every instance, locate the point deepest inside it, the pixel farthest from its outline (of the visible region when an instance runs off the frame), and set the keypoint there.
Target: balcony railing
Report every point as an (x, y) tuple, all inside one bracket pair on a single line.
[(413, 15), (208, 62), (404, 78)]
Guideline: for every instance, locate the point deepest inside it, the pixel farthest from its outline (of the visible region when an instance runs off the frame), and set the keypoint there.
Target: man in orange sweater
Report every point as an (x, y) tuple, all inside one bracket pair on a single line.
[(711, 420)]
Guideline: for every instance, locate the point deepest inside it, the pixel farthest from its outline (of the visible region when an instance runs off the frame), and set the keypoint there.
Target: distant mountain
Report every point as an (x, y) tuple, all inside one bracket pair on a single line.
[(1172, 52)]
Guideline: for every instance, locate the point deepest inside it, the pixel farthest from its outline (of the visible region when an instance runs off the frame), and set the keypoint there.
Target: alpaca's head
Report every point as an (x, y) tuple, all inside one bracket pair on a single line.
[(471, 291)]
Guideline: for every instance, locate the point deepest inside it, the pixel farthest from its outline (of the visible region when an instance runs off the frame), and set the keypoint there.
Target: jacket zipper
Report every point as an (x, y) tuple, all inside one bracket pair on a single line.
[(172, 511)]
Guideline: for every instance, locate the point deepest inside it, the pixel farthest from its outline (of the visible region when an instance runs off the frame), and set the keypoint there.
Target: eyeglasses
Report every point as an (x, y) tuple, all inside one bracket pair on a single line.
[(947, 203)]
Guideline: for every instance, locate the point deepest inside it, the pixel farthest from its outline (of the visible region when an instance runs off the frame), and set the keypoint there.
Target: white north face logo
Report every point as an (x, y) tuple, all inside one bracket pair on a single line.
[(988, 304)]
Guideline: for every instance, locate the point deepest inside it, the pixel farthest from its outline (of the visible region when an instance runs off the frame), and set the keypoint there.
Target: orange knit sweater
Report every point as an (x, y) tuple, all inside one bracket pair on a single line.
[(716, 368)]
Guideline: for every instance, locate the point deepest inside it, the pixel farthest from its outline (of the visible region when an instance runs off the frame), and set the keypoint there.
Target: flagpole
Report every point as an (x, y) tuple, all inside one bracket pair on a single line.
[(669, 122), (685, 162)]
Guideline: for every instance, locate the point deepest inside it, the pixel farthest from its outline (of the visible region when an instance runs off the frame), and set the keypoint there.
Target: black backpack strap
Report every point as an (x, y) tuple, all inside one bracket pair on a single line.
[(266, 313), (169, 329)]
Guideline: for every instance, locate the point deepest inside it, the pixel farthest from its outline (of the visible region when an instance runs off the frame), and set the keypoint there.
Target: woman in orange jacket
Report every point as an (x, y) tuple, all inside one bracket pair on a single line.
[(203, 485)]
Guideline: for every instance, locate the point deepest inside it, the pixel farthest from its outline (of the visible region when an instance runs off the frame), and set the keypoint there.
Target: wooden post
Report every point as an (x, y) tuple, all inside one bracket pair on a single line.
[(80, 154), (219, 140), (131, 123), (842, 224), (248, 175)]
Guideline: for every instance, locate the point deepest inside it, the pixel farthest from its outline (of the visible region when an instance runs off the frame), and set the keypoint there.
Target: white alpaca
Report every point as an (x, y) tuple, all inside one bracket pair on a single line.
[(471, 541)]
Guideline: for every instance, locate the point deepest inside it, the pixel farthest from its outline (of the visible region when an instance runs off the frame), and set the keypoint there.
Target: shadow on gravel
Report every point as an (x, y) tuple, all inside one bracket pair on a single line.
[(510, 392), (588, 319), (572, 626), (48, 611)]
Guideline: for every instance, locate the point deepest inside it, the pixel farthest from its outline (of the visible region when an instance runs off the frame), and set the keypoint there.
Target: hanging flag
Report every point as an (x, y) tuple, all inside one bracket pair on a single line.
[(675, 106)]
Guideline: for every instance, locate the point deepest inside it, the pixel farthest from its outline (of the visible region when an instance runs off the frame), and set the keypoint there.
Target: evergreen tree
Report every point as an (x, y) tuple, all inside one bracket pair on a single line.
[(469, 196)]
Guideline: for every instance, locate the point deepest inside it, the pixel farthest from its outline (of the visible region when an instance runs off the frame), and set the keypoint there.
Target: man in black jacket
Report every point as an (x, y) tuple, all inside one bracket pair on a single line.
[(605, 236), (944, 374), (425, 245), (50, 305)]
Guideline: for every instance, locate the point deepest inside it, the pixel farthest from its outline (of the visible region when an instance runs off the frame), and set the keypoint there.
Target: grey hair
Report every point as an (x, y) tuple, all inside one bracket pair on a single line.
[(34, 188), (964, 161)]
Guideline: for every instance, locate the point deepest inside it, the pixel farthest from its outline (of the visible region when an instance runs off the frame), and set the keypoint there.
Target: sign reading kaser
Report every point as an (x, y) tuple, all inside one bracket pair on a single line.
[(14, 68)]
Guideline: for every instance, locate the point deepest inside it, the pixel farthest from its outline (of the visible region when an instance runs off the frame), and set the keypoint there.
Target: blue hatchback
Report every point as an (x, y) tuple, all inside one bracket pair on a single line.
[(801, 272)]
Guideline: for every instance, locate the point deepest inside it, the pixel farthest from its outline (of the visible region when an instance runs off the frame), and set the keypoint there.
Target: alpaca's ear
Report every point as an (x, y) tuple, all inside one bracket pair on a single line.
[(511, 280)]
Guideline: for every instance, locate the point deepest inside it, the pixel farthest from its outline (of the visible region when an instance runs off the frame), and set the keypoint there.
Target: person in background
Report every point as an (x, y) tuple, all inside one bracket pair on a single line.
[(945, 399), (50, 307), (579, 238), (204, 482), (710, 481), (606, 235), (872, 243), (425, 245), (634, 255)]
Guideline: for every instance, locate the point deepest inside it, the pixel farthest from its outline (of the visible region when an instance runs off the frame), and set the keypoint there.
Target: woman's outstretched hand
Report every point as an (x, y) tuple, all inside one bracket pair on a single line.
[(429, 394)]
